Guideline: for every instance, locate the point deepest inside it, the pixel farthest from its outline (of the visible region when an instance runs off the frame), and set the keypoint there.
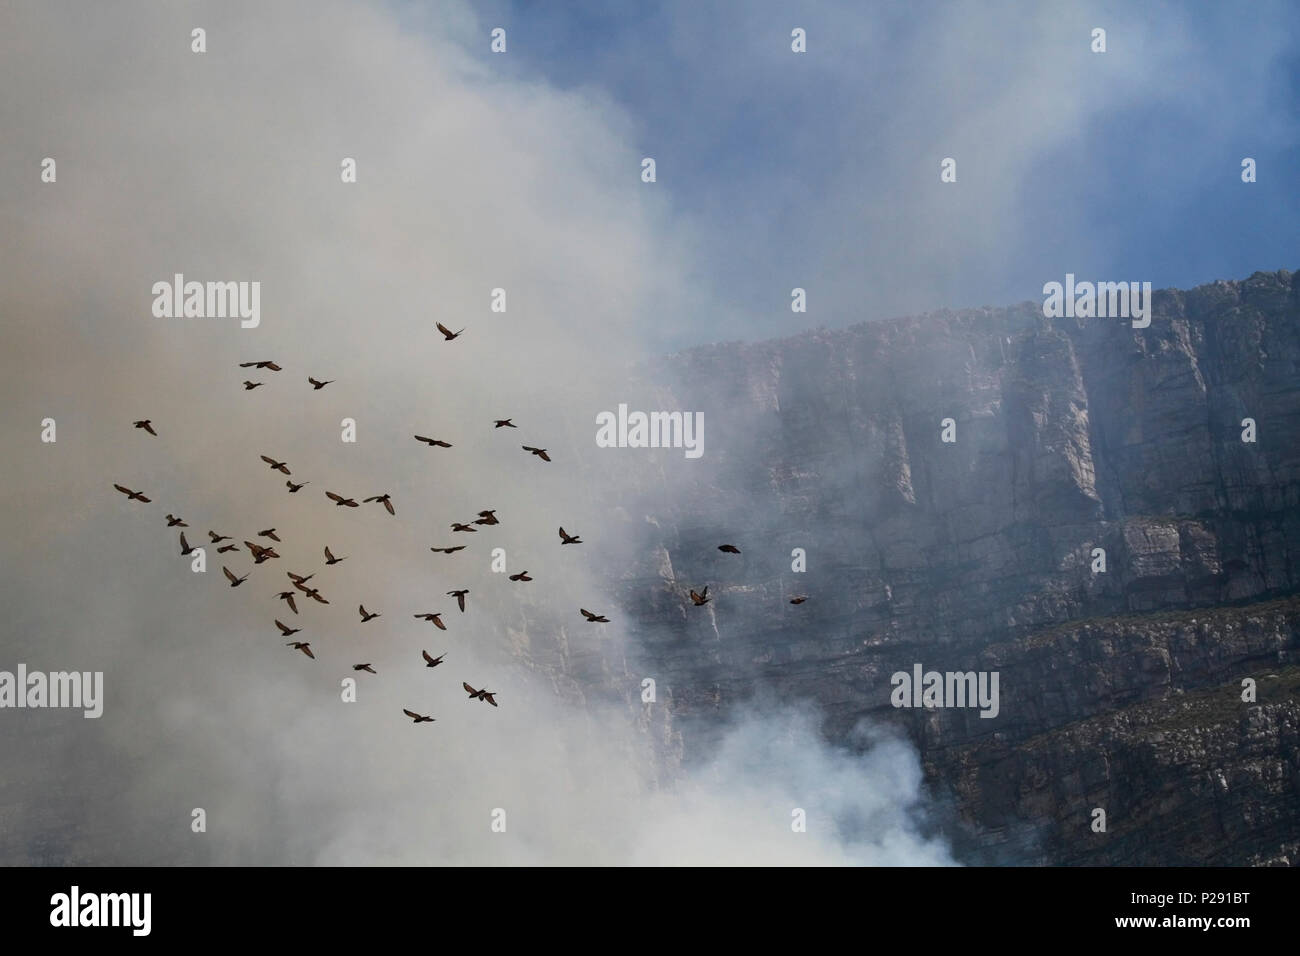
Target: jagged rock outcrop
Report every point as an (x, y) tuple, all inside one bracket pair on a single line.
[(1071, 435)]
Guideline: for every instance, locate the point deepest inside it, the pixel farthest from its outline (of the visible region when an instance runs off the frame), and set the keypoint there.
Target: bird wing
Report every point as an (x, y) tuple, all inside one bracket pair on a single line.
[(427, 658), (185, 546), (293, 607), (229, 576), (328, 555), (444, 330), (332, 497), (468, 688), (388, 505), (272, 366), (410, 713), (307, 650)]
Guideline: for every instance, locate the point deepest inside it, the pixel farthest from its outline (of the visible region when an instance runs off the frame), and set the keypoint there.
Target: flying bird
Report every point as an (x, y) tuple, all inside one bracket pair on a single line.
[(366, 615), (521, 576), (432, 661), (287, 596), (186, 547), (298, 578), (702, 598), (132, 495), (229, 547), (268, 533), (218, 538), (460, 597), (594, 618), (276, 465), (294, 489), (364, 667), (330, 559), (312, 593), (729, 548), (447, 333), (303, 646), (503, 423), (339, 501), (260, 553), (453, 550), (285, 629), (566, 538), (486, 695), (433, 441), (798, 600), (539, 452), (385, 500), (249, 386), (418, 718), (234, 581), (487, 517), (147, 425), (317, 386), (457, 526), (267, 365), (173, 522), (435, 617)]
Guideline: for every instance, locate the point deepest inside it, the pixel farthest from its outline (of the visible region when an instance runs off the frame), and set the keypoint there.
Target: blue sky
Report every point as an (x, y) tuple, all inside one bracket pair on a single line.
[(822, 169)]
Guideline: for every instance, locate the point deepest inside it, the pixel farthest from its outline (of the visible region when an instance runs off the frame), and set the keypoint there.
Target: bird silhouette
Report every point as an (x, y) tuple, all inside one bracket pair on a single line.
[(269, 533), (228, 547), (330, 559), (364, 667), (234, 581), (300, 579), (433, 442), (294, 489), (317, 386), (186, 547), (175, 522), (303, 646), (594, 618), (418, 718), (521, 576), (702, 598), (312, 593), (147, 425), (729, 548), (457, 526), (366, 615), (486, 695), (452, 550), (447, 333), (487, 517), (503, 423), (340, 501), (218, 538), (435, 617), (385, 500), (432, 661), (132, 495), (276, 465), (249, 386), (798, 600), (460, 597), (566, 538), (287, 597), (267, 365), (285, 629), (260, 553), (539, 452)]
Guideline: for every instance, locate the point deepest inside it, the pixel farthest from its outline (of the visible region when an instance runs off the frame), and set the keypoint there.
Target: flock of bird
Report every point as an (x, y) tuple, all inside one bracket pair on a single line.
[(261, 553)]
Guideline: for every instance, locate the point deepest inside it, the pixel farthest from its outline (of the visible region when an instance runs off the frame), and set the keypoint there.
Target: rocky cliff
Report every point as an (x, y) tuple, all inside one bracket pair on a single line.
[(1120, 688)]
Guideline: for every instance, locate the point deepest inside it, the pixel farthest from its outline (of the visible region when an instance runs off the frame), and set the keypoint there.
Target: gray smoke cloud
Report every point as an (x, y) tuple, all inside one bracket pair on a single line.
[(225, 166)]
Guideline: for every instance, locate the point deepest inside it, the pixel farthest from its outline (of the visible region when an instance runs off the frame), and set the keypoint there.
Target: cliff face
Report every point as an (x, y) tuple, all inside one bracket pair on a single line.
[(1120, 689)]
